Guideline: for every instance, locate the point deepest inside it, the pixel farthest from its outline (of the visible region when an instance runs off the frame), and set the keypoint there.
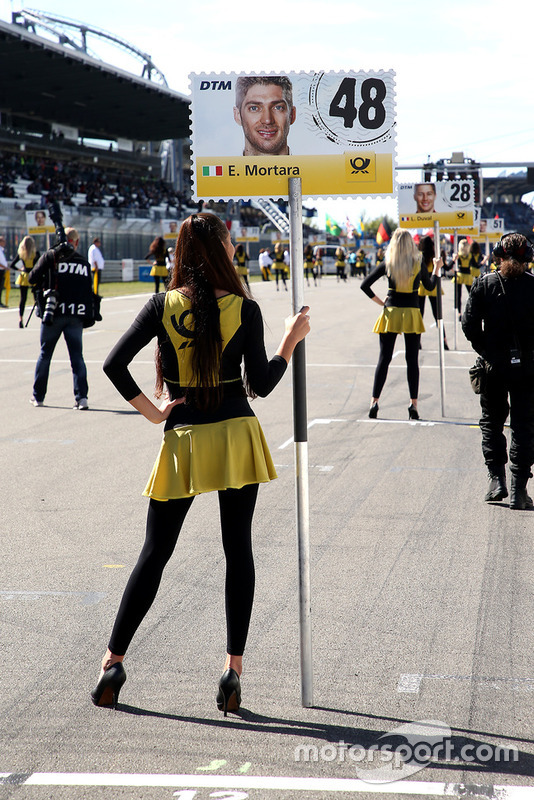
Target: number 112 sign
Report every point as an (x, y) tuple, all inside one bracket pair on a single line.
[(252, 132)]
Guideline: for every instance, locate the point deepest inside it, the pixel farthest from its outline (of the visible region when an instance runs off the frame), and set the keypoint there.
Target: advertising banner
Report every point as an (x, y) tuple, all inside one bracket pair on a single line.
[(170, 228), (251, 133), (451, 203), (491, 230), (240, 234), (39, 222)]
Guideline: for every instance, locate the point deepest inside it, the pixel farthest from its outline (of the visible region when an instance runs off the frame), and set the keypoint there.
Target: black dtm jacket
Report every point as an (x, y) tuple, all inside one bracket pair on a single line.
[(499, 318), (71, 278)]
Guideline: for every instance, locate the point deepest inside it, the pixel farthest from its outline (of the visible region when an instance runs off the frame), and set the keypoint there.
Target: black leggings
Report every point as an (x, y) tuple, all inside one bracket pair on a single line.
[(23, 298), (164, 522), (411, 347)]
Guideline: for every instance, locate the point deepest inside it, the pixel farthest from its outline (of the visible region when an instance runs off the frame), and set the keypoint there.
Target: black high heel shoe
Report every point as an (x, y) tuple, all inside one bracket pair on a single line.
[(412, 412), (229, 694), (108, 687), (373, 411)]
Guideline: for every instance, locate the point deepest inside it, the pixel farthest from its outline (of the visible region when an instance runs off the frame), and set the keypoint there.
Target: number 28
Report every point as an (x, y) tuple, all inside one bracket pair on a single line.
[(371, 111)]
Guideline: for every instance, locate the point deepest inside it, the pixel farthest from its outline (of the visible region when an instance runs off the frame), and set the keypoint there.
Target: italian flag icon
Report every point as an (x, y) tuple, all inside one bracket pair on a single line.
[(211, 172)]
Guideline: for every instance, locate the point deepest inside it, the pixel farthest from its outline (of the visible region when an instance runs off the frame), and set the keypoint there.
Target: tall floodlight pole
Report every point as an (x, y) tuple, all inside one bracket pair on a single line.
[(300, 435)]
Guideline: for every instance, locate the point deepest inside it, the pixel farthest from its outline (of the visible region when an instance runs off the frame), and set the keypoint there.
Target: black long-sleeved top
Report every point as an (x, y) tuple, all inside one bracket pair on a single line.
[(496, 321), (399, 299), (166, 316)]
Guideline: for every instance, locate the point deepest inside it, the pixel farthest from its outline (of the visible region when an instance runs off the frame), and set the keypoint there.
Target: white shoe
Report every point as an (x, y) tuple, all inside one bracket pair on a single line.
[(82, 404), (36, 403)]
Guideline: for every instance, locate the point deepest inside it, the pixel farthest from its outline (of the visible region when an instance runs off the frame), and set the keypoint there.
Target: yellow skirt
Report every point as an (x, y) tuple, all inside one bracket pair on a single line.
[(22, 279), (195, 459), (158, 271), (399, 320), (464, 279)]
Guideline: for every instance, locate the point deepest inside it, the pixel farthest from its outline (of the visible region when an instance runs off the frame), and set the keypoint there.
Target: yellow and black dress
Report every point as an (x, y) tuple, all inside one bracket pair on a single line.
[(22, 280), (340, 265), (240, 261), (279, 267), (464, 275), (308, 267), (203, 451), (401, 313), (423, 291), (27, 266), (159, 268)]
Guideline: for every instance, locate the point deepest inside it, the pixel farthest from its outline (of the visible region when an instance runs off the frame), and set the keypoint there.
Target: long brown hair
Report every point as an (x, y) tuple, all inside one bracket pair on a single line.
[(202, 265), (158, 248)]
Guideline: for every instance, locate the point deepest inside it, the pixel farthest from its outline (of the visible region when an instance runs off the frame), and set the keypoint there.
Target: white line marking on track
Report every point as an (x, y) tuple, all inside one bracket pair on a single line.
[(331, 785), (411, 682), (313, 422)]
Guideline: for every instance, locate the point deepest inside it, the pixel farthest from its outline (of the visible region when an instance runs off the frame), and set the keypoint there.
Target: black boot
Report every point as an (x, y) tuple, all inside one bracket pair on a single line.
[(497, 486), (518, 493)]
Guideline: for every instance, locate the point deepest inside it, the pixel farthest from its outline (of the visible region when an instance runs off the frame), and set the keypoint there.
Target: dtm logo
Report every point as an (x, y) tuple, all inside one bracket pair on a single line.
[(217, 85), (359, 164)]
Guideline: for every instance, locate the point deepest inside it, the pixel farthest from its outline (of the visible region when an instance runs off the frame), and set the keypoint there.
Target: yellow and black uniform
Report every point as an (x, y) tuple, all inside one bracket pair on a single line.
[(159, 268), (27, 264), (361, 263), (22, 281), (240, 261), (309, 267), (340, 265), (203, 451), (280, 267), (401, 313), (464, 276), (423, 291)]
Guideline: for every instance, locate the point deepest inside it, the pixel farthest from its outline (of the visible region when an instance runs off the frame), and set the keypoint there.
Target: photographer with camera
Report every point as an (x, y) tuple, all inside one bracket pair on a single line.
[(499, 322), (64, 296)]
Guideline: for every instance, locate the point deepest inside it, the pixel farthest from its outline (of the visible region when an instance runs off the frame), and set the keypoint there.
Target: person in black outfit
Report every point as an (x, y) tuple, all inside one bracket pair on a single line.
[(206, 325), (66, 278), (499, 323)]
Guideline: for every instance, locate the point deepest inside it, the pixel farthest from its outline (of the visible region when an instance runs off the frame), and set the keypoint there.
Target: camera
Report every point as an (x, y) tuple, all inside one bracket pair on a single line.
[(50, 297), (63, 246)]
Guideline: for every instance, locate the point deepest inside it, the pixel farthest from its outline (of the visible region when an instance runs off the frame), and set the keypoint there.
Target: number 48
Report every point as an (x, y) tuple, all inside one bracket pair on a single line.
[(372, 112)]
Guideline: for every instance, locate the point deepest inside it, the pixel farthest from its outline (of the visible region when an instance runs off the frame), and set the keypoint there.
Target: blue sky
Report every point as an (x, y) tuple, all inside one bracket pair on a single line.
[(463, 73)]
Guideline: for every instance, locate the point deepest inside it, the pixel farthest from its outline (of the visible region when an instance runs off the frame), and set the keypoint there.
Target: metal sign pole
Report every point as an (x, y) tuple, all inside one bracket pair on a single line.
[(300, 435), (441, 342), (455, 282)]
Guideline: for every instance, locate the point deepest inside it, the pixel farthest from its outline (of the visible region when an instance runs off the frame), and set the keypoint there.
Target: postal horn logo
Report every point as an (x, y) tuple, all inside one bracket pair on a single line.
[(460, 214), (359, 164)]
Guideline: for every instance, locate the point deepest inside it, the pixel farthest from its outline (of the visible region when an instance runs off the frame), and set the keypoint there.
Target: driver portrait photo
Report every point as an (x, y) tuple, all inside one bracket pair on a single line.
[(264, 109), (425, 197)]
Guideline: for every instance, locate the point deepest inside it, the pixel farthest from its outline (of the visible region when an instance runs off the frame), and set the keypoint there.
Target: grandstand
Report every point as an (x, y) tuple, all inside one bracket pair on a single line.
[(111, 147)]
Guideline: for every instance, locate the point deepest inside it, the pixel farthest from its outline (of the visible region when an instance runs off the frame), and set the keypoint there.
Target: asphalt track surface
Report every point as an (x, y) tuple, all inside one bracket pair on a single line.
[(421, 593)]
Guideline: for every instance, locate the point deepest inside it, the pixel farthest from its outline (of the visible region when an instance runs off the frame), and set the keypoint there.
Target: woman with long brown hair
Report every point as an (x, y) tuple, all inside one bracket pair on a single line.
[(206, 326), (157, 253)]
